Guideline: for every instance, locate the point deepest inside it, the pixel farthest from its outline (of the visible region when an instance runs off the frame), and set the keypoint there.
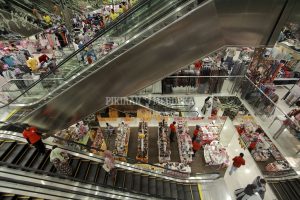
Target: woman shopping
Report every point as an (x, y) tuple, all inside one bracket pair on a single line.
[(60, 159)]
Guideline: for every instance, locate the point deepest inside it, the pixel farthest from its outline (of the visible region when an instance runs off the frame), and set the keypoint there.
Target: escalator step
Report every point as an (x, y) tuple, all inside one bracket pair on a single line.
[(120, 179), (173, 190), (152, 185), (187, 192), (128, 181), (5, 148), (82, 169), (288, 190), (180, 191), (39, 161), (101, 176), (145, 184), (110, 180), (92, 173), (137, 182), (48, 166), (28, 157), (74, 163), (16, 153), (167, 189), (159, 187), (293, 184), (195, 192)]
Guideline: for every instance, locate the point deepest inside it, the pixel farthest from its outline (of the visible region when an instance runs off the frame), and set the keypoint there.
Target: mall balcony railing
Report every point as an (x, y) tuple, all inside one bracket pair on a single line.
[(128, 163), (79, 71)]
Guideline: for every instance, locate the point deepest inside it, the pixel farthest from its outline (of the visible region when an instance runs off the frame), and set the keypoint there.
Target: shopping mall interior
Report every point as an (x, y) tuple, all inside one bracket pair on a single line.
[(150, 99)]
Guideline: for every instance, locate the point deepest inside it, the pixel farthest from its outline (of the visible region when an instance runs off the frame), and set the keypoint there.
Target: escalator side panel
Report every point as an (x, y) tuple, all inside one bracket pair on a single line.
[(167, 189), (159, 187), (128, 181)]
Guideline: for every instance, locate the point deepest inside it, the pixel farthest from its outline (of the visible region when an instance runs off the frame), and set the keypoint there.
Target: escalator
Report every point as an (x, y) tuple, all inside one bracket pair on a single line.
[(286, 189), (9, 196), (19, 155), (188, 32)]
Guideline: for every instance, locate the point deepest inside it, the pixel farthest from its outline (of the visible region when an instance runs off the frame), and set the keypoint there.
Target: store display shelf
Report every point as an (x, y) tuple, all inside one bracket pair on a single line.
[(164, 152), (121, 142), (185, 146), (142, 151)]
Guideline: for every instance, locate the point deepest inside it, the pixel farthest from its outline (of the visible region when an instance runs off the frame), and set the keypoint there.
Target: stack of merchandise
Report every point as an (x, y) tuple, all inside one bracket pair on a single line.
[(98, 141), (163, 142), (176, 166), (264, 150), (210, 132), (215, 154), (142, 153), (185, 146), (121, 143)]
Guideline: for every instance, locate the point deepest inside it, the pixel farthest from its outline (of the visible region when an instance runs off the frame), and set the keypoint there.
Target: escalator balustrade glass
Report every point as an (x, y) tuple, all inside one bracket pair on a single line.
[(107, 45)]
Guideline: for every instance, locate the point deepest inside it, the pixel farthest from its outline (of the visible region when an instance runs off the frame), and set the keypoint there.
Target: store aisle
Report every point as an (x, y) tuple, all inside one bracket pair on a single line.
[(153, 148), (246, 174)]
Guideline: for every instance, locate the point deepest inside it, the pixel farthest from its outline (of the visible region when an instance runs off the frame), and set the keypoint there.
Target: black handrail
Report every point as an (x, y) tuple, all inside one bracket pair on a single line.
[(99, 34)]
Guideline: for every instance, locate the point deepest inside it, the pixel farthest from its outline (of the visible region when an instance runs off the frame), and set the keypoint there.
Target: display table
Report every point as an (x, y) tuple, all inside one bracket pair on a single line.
[(181, 167), (209, 133), (185, 146), (142, 151), (215, 154), (98, 141), (164, 152), (121, 142)]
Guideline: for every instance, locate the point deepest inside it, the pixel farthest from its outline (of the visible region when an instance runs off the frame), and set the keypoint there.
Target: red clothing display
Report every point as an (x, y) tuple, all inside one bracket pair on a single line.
[(173, 128), (238, 161), (31, 135)]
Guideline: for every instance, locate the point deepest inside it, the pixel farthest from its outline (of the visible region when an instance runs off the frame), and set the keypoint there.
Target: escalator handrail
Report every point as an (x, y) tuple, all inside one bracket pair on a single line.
[(58, 175), (99, 34), (98, 149)]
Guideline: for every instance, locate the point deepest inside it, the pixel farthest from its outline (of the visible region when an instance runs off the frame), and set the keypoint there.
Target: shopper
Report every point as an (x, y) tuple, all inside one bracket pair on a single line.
[(246, 193), (253, 144), (207, 104), (196, 133), (172, 131), (109, 129), (260, 184), (60, 159), (113, 15), (238, 161), (33, 137), (196, 146), (293, 124), (109, 164)]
